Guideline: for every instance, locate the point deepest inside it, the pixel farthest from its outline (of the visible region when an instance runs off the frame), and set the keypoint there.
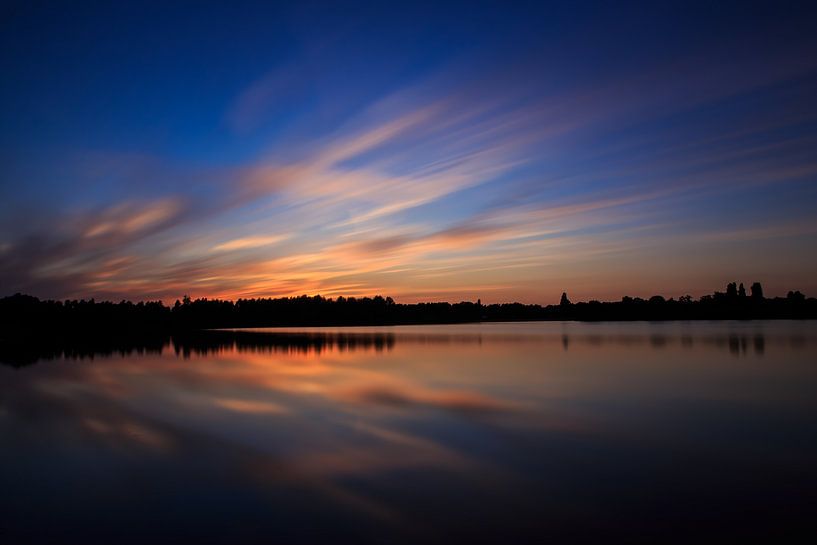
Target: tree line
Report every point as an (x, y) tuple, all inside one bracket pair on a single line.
[(23, 313)]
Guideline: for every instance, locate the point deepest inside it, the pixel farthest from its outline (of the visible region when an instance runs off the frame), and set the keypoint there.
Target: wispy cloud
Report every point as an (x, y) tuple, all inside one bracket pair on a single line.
[(450, 193), (248, 242)]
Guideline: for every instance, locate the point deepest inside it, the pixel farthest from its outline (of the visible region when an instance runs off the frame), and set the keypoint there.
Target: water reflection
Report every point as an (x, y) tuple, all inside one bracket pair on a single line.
[(482, 433), (306, 342), (316, 341), (193, 343)]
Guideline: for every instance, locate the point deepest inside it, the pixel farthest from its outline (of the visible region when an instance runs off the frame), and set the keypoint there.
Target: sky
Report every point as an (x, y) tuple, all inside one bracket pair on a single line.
[(425, 151)]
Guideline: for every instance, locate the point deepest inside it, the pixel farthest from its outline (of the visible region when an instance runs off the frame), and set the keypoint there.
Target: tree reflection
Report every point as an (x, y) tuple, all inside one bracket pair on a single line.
[(200, 343)]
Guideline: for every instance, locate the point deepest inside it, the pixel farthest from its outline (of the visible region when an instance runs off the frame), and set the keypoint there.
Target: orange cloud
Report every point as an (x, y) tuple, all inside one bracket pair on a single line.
[(248, 242)]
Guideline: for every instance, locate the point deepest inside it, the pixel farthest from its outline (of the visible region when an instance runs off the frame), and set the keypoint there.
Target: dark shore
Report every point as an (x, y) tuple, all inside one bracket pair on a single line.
[(32, 329), (23, 315)]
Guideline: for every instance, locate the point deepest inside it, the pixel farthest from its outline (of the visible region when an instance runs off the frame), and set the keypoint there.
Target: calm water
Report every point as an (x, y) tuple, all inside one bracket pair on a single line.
[(504, 433)]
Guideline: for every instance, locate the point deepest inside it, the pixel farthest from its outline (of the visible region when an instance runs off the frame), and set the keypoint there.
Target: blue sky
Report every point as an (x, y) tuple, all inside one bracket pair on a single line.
[(503, 151)]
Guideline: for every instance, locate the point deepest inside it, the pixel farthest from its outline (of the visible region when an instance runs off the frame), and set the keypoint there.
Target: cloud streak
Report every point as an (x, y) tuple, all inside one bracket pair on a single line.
[(455, 193)]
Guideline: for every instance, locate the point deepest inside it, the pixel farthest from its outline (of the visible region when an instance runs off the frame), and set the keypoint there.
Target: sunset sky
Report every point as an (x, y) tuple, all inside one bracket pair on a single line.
[(426, 151)]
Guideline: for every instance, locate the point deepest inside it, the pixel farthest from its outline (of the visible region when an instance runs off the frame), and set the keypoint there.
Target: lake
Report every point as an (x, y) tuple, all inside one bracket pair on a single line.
[(479, 433)]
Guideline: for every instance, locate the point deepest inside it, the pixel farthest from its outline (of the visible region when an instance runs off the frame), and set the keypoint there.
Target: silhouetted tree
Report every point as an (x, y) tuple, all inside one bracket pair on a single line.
[(731, 290), (22, 315), (741, 290), (795, 296)]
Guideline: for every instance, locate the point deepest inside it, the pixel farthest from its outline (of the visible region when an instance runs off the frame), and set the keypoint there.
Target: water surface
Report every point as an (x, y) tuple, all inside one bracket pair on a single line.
[(489, 433)]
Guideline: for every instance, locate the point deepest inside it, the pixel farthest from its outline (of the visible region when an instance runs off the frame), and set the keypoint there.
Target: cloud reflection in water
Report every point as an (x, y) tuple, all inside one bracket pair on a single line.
[(369, 432)]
